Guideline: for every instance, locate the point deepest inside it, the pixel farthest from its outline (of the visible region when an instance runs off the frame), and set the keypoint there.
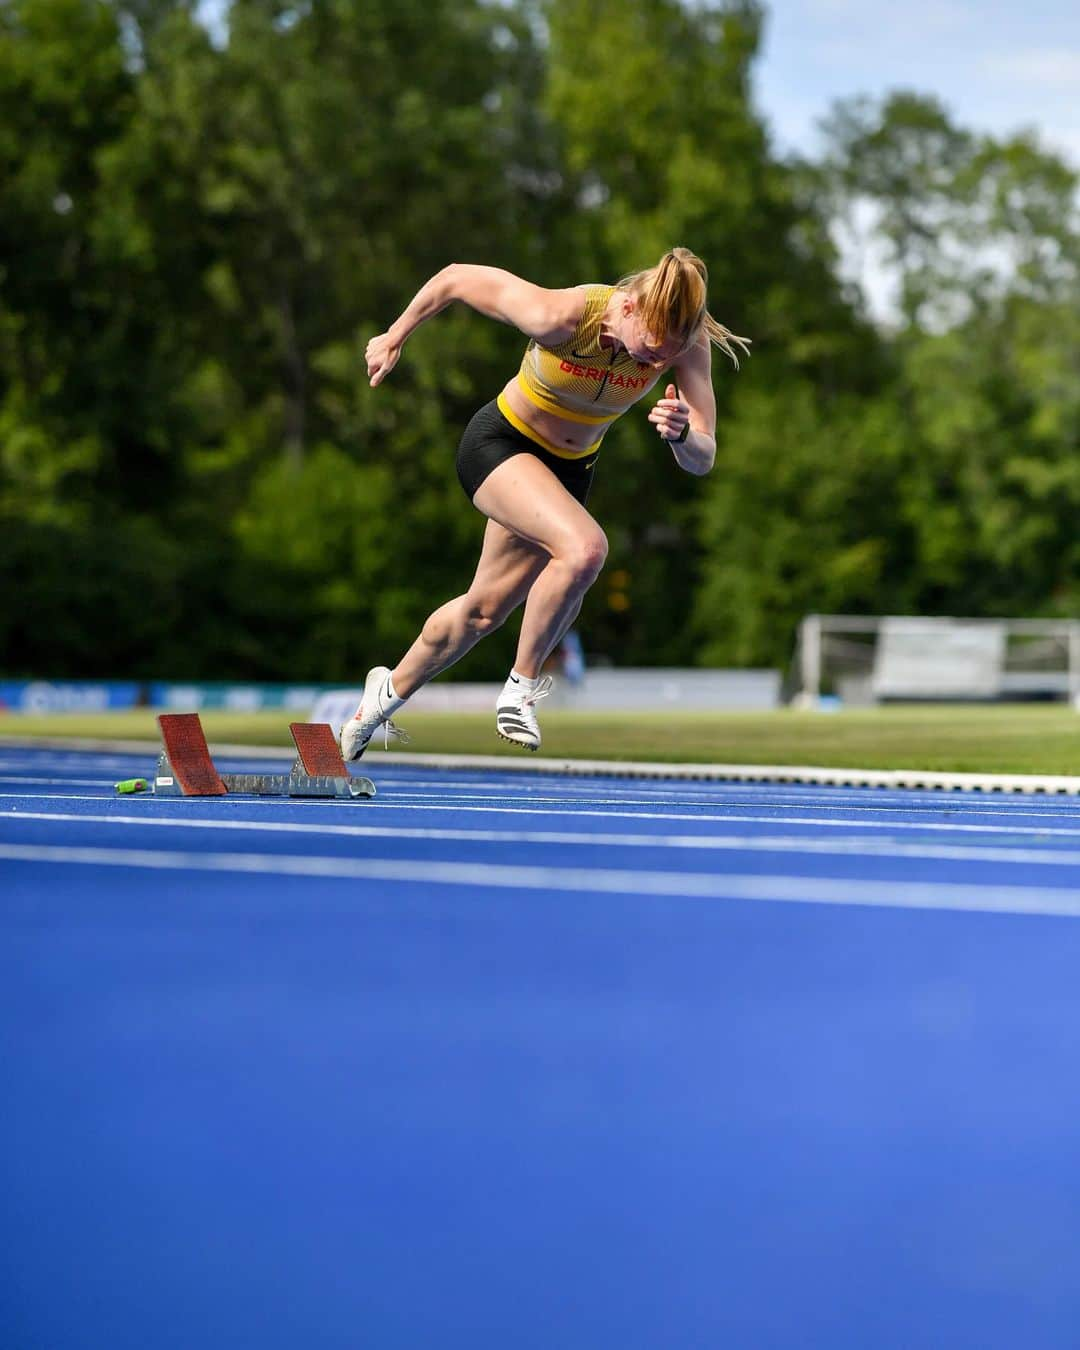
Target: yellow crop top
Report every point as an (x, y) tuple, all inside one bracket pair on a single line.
[(579, 379)]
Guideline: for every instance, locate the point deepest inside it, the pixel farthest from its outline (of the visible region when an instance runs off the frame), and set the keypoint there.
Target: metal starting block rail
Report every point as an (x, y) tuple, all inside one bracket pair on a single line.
[(186, 769)]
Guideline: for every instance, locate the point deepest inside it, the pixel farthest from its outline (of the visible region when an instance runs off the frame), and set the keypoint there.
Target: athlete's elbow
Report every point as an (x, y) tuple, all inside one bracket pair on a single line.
[(474, 285), (449, 280), (698, 460)]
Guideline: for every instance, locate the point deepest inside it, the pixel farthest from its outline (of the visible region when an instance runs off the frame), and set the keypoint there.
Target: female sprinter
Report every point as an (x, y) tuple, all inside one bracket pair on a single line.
[(526, 460)]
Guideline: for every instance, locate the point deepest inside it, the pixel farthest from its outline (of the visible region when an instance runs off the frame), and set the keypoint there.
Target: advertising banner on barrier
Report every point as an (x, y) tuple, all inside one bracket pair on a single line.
[(191, 697), (62, 696), (86, 696)]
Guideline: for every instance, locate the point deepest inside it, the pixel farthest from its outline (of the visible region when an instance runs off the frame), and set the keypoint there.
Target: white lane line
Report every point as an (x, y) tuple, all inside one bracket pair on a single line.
[(104, 780), (834, 799), (60, 764), (392, 799), (1027, 900), (875, 846), (837, 797), (728, 795), (434, 792), (699, 817), (179, 801), (822, 822)]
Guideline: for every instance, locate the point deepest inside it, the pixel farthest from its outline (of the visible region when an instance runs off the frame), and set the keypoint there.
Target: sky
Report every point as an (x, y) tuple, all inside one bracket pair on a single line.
[(997, 65)]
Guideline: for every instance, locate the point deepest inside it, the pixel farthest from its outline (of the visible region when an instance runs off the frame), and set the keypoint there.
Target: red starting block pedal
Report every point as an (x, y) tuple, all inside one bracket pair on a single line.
[(185, 768), (185, 762), (320, 754)]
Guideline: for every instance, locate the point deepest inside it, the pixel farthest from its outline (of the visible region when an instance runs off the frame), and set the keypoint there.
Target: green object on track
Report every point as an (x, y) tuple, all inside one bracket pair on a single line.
[(132, 785)]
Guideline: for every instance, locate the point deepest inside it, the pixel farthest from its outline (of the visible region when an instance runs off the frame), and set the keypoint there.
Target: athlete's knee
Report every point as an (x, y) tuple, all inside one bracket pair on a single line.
[(585, 557)]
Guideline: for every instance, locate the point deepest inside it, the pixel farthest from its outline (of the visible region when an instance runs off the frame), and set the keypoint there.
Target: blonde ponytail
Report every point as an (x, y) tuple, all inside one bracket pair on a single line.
[(671, 300)]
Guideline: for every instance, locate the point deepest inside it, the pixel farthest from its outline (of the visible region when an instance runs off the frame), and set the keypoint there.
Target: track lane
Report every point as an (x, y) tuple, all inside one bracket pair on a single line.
[(330, 1110)]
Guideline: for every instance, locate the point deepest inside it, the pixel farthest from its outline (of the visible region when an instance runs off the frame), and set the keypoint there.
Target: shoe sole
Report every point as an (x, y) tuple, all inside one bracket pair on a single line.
[(359, 754), (521, 745)]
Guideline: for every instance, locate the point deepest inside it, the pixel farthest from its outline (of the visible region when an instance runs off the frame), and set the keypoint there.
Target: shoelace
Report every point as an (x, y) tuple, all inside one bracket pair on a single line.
[(543, 688), (392, 732)]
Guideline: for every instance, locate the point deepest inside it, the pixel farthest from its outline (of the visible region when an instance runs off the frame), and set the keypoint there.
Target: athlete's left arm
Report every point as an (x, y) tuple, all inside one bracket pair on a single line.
[(690, 400)]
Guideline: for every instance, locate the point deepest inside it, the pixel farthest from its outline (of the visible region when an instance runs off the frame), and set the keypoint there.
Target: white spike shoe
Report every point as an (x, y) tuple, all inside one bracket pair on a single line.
[(515, 715), (357, 732)]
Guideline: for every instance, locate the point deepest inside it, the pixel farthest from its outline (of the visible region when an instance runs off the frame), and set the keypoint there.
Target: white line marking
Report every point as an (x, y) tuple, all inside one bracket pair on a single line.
[(873, 846), (822, 822), (62, 762), (178, 801), (915, 801), (1027, 900), (706, 817), (754, 795), (398, 791), (574, 796), (786, 775), (104, 781)]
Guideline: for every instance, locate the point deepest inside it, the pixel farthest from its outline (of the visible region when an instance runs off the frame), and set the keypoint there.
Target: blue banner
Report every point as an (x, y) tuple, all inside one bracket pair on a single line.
[(86, 696), (55, 696), (193, 697)]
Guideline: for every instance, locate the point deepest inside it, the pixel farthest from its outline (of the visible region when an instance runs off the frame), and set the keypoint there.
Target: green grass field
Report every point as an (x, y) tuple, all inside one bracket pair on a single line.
[(1042, 739)]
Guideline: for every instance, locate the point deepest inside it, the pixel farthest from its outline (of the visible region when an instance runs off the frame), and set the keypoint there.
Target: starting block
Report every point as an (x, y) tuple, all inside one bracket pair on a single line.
[(186, 769)]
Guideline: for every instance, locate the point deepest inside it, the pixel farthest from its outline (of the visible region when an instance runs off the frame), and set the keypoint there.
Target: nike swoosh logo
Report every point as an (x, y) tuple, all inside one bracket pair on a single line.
[(593, 356)]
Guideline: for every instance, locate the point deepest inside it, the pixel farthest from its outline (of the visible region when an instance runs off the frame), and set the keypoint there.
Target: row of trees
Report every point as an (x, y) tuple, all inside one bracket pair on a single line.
[(201, 228)]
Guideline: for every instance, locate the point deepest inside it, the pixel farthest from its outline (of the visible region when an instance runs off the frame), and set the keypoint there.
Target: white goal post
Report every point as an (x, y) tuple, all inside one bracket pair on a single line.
[(862, 659)]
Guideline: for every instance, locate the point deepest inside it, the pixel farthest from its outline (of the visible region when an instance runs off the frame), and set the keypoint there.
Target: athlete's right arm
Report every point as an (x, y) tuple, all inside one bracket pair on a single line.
[(548, 316)]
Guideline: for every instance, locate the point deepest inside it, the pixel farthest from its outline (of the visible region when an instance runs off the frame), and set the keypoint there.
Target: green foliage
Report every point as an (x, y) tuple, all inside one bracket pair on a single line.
[(96, 593), (799, 517), (200, 231)]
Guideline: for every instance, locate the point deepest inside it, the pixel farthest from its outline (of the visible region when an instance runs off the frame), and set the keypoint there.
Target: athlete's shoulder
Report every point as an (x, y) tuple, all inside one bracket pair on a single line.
[(697, 357), (587, 304), (566, 309), (595, 292), (578, 300)]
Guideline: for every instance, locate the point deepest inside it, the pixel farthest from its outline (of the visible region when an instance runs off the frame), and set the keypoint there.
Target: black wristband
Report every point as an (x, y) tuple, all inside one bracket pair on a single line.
[(678, 440)]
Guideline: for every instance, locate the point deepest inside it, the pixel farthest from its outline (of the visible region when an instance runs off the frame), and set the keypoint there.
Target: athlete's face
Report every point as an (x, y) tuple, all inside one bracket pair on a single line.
[(643, 346)]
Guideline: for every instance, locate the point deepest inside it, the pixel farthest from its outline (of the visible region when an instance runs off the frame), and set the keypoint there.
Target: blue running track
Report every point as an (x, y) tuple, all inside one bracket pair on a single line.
[(524, 1061)]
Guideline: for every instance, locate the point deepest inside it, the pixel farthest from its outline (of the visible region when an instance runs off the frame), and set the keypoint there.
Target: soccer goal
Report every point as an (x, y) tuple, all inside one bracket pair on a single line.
[(862, 660)]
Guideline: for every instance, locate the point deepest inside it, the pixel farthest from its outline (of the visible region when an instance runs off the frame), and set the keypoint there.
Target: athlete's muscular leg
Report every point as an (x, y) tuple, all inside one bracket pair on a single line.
[(523, 495), (567, 624), (507, 568)]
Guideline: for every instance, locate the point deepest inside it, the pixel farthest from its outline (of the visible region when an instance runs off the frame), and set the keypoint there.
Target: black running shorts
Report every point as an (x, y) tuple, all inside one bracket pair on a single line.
[(489, 439)]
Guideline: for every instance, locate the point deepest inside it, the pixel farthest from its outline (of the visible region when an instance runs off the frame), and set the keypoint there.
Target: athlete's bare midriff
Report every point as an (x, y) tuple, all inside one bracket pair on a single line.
[(557, 430)]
